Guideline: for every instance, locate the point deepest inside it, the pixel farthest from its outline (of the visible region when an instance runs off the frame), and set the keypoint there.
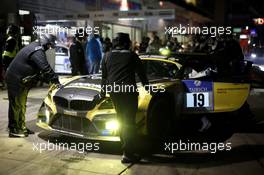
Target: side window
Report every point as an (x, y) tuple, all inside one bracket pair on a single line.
[(160, 69), (199, 69)]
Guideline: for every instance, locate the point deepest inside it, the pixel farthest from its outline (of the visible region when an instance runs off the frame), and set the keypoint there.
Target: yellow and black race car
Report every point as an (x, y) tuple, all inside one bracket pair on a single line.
[(189, 90)]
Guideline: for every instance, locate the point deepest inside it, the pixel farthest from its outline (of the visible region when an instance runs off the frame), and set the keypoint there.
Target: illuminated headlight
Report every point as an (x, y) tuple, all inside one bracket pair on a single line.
[(253, 55), (112, 125), (164, 51)]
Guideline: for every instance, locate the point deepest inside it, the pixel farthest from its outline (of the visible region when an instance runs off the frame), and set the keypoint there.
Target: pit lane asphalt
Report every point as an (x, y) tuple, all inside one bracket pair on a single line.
[(18, 157)]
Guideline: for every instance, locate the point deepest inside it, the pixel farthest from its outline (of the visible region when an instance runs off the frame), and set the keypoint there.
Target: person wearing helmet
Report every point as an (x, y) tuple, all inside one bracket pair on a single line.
[(29, 65), (119, 67), (12, 45)]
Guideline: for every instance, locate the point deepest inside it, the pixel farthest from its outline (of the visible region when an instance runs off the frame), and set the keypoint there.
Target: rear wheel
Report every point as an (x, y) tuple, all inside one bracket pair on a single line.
[(204, 128), (162, 124)]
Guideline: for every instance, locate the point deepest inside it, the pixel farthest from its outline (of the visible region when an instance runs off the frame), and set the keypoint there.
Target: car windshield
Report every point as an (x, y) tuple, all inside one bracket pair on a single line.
[(160, 69), (61, 51)]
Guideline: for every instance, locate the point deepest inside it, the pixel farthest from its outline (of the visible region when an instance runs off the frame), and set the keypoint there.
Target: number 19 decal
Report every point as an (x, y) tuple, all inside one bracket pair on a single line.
[(197, 100)]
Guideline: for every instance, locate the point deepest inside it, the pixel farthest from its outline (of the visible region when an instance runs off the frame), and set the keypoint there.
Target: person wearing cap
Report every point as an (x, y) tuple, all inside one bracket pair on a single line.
[(12, 45), (119, 67), (29, 65)]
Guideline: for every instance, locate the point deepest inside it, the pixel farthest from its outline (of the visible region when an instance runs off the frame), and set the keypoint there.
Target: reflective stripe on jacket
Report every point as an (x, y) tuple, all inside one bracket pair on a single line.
[(9, 53)]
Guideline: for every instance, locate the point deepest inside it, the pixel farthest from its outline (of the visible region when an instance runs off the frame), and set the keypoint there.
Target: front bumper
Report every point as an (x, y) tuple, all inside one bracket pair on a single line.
[(102, 126)]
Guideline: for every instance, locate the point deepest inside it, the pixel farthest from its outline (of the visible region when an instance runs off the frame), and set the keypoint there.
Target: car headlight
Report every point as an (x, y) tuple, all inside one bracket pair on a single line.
[(253, 55), (47, 113), (44, 114), (112, 125)]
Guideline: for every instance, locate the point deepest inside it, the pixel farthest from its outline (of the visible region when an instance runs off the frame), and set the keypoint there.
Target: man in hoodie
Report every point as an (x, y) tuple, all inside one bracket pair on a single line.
[(95, 52)]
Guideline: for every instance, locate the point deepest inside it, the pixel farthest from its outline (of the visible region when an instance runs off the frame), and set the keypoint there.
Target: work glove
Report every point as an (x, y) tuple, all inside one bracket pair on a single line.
[(55, 86), (58, 85)]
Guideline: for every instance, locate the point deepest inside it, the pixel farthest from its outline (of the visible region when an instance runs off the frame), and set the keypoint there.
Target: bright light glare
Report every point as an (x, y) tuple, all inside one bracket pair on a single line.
[(23, 12), (253, 55), (243, 36), (112, 125), (124, 5)]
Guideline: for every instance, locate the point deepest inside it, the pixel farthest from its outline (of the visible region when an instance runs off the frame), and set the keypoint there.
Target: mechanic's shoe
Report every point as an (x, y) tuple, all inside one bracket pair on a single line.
[(3, 86), (130, 159), (17, 133), (28, 131)]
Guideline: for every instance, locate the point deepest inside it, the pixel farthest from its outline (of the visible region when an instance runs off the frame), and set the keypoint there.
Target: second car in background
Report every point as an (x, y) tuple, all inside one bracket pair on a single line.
[(62, 61)]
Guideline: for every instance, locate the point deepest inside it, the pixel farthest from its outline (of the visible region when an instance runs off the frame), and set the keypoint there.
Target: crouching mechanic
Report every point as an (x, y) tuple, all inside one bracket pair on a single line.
[(118, 69), (28, 66)]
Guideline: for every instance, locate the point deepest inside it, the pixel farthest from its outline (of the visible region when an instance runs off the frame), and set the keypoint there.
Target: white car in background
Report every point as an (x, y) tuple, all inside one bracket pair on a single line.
[(62, 59)]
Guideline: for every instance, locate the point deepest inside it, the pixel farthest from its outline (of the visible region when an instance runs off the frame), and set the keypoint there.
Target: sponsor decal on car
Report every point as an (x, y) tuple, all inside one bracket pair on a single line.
[(68, 112), (89, 85), (199, 94)]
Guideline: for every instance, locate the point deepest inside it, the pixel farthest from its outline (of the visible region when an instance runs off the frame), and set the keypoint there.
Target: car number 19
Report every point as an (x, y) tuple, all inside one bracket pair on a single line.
[(198, 99)]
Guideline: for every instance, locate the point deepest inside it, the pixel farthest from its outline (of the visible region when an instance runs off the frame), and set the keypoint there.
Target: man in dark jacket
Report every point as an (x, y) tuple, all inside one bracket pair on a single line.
[(77, 57), (2, 84), (29, 63), (107, 45), (118, 69), (11, 46)]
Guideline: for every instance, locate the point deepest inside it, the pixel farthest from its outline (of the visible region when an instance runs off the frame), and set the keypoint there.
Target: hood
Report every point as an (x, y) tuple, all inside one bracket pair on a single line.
[(88, 81), (83, 88)]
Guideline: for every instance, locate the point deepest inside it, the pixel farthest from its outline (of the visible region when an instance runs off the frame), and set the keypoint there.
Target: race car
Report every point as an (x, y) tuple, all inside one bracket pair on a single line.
[(190, 98)]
